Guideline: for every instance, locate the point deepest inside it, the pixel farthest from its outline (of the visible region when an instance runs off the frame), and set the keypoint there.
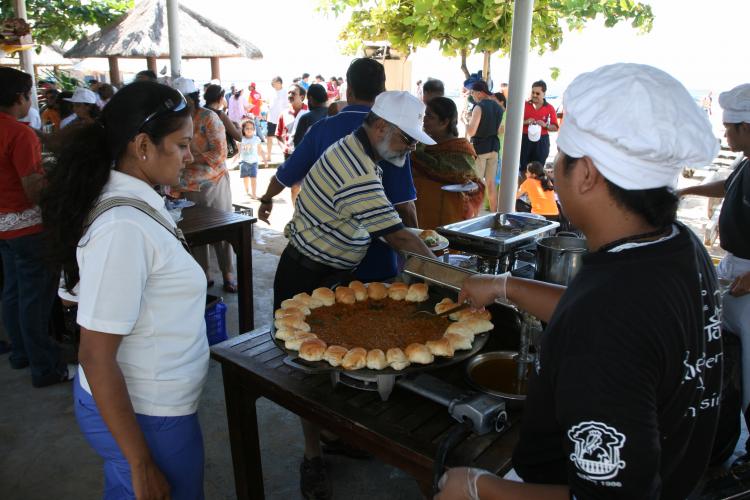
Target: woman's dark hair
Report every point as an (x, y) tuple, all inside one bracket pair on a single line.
[(86, 154), (213, 94), (537, 169), (105, 91), (445, 109), (65, 108), (12, 84), (657, 206), (501, 98), (93, 109)]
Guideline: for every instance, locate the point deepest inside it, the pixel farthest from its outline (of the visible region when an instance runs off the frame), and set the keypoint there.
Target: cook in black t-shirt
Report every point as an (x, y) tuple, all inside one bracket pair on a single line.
[(625, 400)]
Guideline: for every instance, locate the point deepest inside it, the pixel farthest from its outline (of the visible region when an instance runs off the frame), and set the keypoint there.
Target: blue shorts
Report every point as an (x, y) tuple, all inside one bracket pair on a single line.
[(248, 169), (176, 444)]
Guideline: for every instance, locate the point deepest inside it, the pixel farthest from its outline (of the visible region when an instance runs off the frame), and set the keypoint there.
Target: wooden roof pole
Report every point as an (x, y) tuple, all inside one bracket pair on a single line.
[(215, 69), (114, 71), (151, 64), (26, 56), (175, 50)]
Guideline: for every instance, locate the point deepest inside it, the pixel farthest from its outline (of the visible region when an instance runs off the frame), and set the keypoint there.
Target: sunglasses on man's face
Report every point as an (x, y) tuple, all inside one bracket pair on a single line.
[(408, 140), (168, 106)]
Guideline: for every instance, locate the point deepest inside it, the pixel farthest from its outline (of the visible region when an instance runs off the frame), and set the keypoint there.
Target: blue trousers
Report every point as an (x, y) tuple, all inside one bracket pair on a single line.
[(28, 294), (176, 444)]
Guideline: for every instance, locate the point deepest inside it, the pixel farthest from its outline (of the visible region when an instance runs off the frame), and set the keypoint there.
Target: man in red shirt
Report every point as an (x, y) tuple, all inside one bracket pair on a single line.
[(29, 288), (536, 112), (288, 125)]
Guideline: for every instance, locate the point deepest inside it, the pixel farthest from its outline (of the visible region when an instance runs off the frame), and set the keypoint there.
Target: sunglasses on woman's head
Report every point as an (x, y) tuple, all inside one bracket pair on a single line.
[(168, 106)]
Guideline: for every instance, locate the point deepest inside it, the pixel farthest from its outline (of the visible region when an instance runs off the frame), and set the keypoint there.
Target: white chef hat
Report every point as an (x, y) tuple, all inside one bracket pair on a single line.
[(638, 125), (736, 104)]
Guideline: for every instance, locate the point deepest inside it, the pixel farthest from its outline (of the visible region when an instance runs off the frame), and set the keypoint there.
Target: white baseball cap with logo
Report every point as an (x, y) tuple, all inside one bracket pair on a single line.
[(184, 85), (82, 96), (404, 111)]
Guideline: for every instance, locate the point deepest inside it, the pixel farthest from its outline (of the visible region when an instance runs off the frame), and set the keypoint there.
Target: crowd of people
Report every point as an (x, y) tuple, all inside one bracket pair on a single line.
[(625, 397)]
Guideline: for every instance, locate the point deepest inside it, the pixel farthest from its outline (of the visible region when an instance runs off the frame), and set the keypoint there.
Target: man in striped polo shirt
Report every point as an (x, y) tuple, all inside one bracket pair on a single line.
[(341, 208)]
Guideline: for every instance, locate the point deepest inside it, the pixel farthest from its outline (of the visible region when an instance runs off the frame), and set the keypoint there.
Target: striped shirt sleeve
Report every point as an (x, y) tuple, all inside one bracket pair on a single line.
[(364, 201)]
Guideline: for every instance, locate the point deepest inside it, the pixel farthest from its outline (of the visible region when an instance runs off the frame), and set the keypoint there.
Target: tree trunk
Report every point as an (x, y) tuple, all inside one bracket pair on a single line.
[(463, 64), (486, 67)]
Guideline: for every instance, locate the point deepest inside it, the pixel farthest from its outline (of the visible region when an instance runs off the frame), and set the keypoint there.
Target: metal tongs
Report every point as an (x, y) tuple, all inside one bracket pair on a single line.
[(530, 331), (444, 313)]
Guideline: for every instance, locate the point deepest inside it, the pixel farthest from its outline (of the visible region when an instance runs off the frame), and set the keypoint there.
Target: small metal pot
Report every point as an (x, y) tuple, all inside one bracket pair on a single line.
[(559, 258), (500, 374)]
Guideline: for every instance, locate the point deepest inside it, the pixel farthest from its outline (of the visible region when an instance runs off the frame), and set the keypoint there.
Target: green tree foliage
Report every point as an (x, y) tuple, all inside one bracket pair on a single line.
[(482, 26), (64, 20)]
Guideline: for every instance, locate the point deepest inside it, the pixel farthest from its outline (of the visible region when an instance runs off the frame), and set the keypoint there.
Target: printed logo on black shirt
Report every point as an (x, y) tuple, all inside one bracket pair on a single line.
[(597, 450)]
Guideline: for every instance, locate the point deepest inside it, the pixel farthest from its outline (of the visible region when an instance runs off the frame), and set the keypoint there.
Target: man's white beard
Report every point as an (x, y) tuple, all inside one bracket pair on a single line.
[(384, 151)]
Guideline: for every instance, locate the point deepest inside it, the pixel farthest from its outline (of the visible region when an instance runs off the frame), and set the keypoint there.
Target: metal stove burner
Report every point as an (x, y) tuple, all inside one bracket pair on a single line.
[(383, 384)]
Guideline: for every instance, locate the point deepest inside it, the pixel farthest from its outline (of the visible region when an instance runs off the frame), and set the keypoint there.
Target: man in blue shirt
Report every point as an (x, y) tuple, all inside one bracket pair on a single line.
[(366, 79)]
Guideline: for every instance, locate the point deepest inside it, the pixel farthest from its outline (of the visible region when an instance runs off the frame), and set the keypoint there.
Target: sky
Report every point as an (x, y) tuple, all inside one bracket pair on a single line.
[(702, 43)]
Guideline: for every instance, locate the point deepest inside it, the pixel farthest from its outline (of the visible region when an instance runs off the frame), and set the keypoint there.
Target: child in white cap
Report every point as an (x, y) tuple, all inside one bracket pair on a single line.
[(734, 228), (625, 399)]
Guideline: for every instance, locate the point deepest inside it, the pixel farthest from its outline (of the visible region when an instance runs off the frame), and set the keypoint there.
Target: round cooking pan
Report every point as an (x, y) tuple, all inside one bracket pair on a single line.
[(292, 359)]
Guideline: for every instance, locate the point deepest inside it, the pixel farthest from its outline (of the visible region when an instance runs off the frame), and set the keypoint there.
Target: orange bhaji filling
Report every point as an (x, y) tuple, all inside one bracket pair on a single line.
[(372, 324)]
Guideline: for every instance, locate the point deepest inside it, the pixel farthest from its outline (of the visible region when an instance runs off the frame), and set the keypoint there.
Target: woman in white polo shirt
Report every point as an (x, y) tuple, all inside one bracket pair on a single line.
[(141, 296)]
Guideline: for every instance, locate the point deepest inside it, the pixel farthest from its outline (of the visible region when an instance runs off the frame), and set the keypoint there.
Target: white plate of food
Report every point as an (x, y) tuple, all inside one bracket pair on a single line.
[(431, 238)]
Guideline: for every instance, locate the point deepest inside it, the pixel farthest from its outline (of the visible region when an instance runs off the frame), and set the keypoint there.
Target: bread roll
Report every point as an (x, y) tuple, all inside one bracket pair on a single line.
[(398, 290), (293, 323), (284, 333), (397, 359), (296, 304), (478, 325), (345, 295), (461, 328), (430, 237), (444, 305), (325, 295), (440, 347), (295, 340), (419, 353), (355, 359), (418, 292), (458, 342), (335, 354), (465, 314), (309, 301), (359, 289), (312, 350), (377, 291), (289, 312), (376, 359)]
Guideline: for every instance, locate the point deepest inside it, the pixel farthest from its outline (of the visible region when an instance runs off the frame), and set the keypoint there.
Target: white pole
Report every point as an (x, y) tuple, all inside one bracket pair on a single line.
[(26, 56), (173, 25), (519, 53)]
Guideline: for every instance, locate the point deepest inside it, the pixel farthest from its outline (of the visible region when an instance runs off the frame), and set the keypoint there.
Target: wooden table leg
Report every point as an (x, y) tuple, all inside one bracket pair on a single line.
[(243, 436), (244, 252)]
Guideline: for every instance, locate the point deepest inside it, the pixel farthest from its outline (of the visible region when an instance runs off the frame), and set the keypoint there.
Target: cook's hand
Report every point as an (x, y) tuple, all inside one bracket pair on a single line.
[(149, 483), (459, 483), (483, 289), (740, 286), (264, 211)]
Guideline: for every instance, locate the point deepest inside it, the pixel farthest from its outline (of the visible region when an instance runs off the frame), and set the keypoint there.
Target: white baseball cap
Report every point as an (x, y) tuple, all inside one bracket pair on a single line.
[(184, 85), (404, 111), (82, 96)]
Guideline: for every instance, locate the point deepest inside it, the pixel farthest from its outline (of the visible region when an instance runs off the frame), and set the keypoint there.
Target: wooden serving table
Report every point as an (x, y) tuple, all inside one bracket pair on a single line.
[(404, 431), (205, 225)]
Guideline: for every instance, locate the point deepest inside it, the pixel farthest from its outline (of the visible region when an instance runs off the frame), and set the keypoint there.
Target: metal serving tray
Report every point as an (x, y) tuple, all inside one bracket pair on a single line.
[(495, 234)]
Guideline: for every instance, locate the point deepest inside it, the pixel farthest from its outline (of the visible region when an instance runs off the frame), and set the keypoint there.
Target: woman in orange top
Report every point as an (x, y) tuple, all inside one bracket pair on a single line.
[(538, 187)]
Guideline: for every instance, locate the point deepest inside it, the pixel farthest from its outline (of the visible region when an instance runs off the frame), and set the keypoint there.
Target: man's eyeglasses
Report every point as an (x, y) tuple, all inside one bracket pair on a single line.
[(408, 140), (168, 106)]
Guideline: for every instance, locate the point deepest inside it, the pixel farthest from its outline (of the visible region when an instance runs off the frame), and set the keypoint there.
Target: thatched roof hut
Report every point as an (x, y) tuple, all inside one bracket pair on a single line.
[(143, 33), (50, 55)]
